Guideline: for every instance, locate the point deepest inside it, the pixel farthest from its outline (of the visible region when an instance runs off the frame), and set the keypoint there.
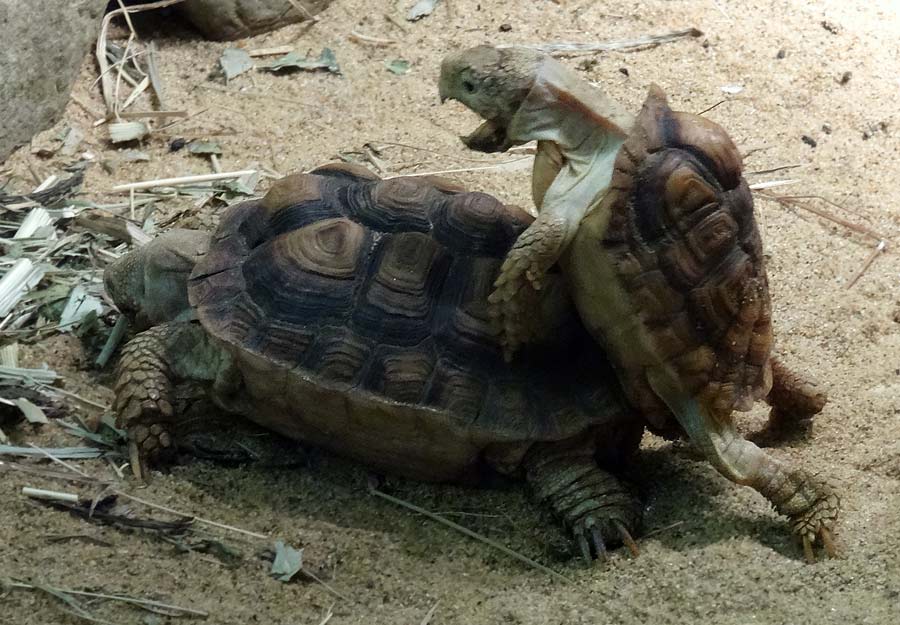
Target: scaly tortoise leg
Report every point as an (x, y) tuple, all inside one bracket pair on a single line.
[(795, 400), (150, 366), (522, 275), (811, 503), (594, 505)]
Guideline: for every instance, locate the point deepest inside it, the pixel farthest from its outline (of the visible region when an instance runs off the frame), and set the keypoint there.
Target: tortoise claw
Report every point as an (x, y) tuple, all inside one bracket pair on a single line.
[(809, 542), (627, 540), (138, 462), (593, 535), (828, 542), (148, 445), (584, 547), (599, 544)]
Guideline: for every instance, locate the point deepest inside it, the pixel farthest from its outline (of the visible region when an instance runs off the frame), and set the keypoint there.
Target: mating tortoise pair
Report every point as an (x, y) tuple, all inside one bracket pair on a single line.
[(374, 317)]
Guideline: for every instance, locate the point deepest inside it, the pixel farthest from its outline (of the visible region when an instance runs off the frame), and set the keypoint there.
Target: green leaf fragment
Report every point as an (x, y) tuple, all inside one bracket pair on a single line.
[(32, 412), (288, 562), (234, 62), (204, 147), (397, 66)]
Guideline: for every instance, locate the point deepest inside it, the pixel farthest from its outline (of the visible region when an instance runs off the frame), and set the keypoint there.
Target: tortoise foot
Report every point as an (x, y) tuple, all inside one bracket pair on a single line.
[(593, 533), (815, 525), (812, 505), (595, 505)]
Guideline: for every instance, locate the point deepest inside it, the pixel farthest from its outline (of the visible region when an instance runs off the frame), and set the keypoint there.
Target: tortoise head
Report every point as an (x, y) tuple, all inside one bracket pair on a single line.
[(149, 284), (492, 82)]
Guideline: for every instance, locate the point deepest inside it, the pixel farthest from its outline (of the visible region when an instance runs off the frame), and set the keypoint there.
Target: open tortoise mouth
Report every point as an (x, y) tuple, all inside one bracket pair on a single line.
[(490, 136)]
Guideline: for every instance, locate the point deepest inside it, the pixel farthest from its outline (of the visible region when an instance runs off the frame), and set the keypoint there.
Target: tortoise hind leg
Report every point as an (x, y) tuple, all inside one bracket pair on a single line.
[(795, 399), (594, 504), (152, 363)]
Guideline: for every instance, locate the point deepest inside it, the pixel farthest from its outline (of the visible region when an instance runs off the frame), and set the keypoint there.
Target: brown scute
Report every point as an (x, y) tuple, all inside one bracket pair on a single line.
[(444, 185), (348, 171), (397, 301), (478, 223), (458, 389), (290, 190), (685, 193), (718, 150), (713, 237), (687, 249), (403, 376), (357, 316), (339, 355), (329, 248)]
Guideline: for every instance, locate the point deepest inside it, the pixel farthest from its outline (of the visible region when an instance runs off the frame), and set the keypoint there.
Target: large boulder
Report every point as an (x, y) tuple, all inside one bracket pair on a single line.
[(43, 45), (233, 19)]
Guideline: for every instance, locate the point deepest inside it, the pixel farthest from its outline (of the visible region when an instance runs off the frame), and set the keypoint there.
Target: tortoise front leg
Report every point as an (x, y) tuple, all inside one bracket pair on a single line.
[(594, 505), (152, 363)]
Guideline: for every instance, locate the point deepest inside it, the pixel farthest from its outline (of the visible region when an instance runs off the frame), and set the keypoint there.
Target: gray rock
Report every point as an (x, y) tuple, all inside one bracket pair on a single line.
[(43, 46), (233, 19)]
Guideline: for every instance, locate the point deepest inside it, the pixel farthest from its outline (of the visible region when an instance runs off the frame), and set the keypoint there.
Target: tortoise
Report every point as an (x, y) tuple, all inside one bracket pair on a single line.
[(650, 221), (351, 313)]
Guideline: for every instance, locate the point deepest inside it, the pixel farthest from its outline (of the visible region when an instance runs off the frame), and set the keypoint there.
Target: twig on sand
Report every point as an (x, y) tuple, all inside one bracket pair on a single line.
[(182, 180), (768, 184), (879, 249), (303, 10), (328, 614), (428, 615), (272, 51), (475, 535), (660, 530), (570, 47), (150, 504), (512, 164), (172, 610), (794, 201), (375, 41)]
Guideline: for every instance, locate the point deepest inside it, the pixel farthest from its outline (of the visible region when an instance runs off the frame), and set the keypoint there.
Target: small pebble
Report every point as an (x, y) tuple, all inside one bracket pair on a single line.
[(505, 28), (826, 128), (781, 54), (809, 141), (177, 144), (624, 70), (845, 78)]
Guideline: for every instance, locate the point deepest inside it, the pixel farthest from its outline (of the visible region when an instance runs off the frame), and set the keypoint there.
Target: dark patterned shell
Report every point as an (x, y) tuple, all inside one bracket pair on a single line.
[(356, 309), (684, 241)]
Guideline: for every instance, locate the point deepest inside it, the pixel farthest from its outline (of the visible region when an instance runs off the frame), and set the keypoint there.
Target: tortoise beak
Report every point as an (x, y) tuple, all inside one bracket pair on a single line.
[(444, 90)]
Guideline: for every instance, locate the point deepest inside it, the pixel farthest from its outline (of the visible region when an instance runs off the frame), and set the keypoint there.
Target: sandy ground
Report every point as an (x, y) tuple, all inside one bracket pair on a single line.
[(716, 552)]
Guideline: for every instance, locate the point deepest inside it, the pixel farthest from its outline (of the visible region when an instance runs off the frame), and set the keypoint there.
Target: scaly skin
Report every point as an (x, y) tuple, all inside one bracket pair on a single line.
[(585, 127), (524, 95), (595, 505), (522, 274), (795, 400), (144, 394)]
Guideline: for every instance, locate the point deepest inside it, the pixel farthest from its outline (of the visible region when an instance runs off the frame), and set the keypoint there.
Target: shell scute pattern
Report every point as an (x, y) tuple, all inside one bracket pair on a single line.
[(399, 296), (381, 286), (682, 233)]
